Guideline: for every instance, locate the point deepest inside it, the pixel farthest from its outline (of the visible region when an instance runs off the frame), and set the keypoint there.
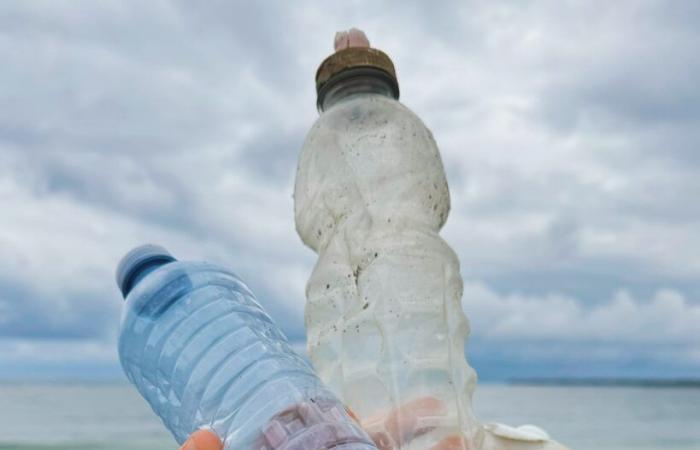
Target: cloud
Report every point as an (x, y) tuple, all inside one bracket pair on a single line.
[(517, 335), (569, 134), (665, 318)]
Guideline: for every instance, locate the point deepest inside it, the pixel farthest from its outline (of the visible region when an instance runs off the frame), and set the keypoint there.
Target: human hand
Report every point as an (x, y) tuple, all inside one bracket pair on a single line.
[(401, 425), (398, 427)]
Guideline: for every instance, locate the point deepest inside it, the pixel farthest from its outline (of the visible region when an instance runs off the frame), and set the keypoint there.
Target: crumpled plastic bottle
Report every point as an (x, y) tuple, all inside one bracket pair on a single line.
[(385, 326)]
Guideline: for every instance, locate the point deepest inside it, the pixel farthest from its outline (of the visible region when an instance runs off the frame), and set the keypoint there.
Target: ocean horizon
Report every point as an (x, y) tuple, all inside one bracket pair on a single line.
[(110, 415)]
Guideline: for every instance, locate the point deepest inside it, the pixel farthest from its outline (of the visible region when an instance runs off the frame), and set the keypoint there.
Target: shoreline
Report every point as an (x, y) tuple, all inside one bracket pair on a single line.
[(607, 382)]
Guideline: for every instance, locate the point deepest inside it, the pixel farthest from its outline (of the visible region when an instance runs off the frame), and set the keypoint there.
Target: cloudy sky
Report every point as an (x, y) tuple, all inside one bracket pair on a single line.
[(570, 132)]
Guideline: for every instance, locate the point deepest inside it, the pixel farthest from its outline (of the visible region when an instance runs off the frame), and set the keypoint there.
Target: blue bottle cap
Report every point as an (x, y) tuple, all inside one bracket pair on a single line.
[(136, 259)]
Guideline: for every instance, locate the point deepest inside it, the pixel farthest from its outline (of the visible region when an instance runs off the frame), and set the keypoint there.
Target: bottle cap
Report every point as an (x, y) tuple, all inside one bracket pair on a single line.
[(136, 259), (354, 56)]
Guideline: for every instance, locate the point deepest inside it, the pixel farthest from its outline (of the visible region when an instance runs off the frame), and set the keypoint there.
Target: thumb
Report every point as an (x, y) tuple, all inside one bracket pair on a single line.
[(203, 440)]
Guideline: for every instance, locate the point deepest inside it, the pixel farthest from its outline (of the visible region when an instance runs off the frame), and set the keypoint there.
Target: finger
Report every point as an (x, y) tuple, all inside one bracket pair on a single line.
[(407, 422), (451, 443), (357, 38), (403, 424), (350, 38), (203, 440)]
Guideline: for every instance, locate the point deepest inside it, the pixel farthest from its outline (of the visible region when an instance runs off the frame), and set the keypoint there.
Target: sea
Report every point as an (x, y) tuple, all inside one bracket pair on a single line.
[(106, 416)]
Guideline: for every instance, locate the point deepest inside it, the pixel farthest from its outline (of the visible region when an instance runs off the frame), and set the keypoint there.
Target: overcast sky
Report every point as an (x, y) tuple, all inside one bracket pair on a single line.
[(570, 132)]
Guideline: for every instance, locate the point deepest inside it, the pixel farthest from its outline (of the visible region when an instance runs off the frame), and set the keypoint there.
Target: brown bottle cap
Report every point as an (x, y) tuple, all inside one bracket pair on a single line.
[(349, 60)]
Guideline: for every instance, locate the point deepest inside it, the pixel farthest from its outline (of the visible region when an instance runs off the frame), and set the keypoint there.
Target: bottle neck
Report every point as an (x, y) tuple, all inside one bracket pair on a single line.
[(139, 272), (353, 84)]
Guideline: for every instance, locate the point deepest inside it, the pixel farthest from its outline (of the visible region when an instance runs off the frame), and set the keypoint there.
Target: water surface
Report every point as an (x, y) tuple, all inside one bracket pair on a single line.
[(114, 417)]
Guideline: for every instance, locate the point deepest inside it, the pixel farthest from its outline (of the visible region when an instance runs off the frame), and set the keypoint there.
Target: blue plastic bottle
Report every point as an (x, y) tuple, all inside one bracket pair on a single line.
[(204, 354)]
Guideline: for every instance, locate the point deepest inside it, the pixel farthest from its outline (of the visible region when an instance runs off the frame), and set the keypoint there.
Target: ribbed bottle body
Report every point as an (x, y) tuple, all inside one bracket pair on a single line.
[(203, 353)]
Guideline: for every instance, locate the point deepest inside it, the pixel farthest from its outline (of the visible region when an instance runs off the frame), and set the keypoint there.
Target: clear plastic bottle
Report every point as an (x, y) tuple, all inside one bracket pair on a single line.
[(385, 326), (204, 354)]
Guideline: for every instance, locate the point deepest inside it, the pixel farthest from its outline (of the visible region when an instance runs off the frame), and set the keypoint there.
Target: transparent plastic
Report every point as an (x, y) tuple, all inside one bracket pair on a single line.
[(385, 326), (204, 354)]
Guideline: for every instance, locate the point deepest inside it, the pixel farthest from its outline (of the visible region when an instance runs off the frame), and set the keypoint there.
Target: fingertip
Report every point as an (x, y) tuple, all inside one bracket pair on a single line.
[(357, 38), (203, 440), (351, 38), (341, 40)]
